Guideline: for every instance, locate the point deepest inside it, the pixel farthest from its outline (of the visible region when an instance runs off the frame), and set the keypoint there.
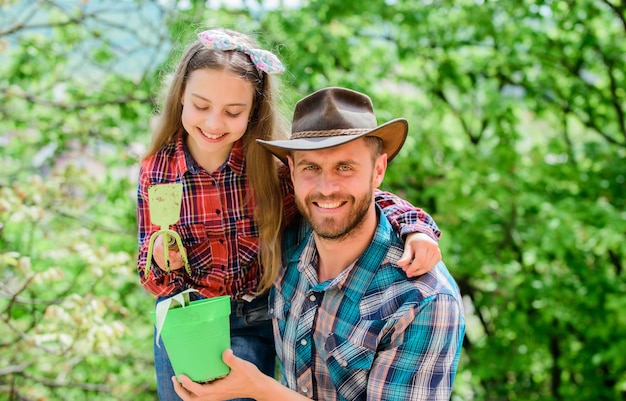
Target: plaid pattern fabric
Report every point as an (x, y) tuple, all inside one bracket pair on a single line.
[(217, 225), (370, 333)]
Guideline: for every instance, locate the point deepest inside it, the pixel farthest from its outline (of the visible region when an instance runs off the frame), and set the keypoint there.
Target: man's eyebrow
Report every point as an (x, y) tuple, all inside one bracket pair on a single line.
[(343, 162), (302, 161)]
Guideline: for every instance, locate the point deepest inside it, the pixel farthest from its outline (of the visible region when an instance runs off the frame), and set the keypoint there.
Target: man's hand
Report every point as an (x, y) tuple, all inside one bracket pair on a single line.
[(421, 253), (244, 381), (236, 384)]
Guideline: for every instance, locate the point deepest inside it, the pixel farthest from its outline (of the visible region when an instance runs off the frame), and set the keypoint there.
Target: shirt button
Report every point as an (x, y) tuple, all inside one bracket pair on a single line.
[(312, 298), (305, 390), (303, 342)]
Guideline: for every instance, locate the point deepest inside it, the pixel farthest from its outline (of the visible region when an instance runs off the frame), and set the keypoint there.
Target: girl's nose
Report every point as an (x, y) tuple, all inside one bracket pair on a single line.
[(213, 121)]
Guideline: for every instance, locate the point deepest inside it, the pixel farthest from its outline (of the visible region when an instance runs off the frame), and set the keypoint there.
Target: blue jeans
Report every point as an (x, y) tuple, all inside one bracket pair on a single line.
[(250, 336)]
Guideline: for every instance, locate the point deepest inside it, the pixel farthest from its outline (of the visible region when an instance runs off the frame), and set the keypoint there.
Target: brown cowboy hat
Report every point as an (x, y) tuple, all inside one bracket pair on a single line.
[(334, 116)]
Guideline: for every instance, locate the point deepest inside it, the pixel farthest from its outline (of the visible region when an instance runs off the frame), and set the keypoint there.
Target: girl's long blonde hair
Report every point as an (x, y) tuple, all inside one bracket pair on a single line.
[(265, 123)]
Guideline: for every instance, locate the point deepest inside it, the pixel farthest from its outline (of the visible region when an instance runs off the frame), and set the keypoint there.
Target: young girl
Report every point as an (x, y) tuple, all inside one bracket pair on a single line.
[(235, 200)]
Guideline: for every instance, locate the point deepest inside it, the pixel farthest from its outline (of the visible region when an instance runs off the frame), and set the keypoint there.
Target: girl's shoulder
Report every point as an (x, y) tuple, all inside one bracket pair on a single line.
[(164, 165)]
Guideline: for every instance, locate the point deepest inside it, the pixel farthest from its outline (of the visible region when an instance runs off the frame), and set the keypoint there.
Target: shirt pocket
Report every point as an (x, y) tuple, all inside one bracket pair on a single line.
[(196, 242), (191, 234), (247, 241), (278, 312), (279, 308), (278, 305), (349, 365), (343, 354)]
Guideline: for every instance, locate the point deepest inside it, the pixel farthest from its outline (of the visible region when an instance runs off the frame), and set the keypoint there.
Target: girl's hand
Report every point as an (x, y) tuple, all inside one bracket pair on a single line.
[(421, 254), (175, 259)]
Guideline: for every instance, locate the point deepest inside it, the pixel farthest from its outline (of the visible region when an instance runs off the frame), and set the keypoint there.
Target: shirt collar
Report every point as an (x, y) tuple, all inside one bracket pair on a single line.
[(355, 280), (186, 162), (236, 158)]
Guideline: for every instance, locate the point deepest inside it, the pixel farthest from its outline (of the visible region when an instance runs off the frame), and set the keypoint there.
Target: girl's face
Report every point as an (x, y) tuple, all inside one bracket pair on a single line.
[(216, 109)]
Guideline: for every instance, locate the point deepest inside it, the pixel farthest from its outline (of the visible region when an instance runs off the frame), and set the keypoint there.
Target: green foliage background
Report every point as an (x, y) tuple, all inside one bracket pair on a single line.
[(517, 148)]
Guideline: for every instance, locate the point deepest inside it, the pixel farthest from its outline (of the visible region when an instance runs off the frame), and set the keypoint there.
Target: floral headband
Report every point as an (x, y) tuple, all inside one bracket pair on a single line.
[(263, 60)]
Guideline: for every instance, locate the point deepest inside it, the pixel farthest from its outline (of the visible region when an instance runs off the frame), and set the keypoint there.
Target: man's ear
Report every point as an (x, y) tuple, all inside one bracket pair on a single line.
[(290, 164), (380, 166)]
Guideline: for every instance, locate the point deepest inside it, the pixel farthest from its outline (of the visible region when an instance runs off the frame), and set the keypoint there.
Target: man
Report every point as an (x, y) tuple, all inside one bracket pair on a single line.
[(348, 323)]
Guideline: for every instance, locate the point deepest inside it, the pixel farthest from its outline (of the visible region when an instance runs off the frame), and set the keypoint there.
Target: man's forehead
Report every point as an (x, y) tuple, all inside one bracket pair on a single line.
[(354, 148)]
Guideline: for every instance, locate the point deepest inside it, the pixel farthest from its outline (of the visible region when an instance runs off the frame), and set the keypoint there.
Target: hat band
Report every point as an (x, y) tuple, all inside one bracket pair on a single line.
[(332, 132)]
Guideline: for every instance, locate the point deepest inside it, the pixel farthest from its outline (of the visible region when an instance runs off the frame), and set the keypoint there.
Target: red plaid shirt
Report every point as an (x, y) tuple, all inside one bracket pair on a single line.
[(217, 225)]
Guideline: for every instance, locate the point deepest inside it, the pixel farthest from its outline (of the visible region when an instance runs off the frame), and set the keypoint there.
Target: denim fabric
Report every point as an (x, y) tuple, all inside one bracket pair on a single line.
[(250, 336)]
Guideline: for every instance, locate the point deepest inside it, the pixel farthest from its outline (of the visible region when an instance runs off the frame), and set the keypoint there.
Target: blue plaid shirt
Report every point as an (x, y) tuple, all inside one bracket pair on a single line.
[(370, 333)]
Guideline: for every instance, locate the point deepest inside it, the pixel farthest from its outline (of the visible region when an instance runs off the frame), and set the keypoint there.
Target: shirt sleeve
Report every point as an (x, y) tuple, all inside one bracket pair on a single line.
[(156, 281), (421, 359), (404, 217)]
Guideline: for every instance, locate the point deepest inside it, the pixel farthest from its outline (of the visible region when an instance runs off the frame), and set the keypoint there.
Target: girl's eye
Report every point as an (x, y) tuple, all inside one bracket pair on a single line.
[(229, 114), (200, 108)]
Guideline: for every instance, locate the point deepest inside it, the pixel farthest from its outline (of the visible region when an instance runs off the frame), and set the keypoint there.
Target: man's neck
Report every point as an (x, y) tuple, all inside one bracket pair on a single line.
[(336, 255)]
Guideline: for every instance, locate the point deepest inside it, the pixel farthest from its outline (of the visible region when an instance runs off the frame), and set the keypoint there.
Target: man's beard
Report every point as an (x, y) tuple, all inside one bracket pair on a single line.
[(329, 227)]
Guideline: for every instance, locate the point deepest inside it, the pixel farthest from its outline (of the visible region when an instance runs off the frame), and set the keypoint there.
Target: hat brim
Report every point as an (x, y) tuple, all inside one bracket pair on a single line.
[(393, 134)]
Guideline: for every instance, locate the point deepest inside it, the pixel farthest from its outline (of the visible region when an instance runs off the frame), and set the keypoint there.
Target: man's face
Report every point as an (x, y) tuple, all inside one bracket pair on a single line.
[(334, 187)]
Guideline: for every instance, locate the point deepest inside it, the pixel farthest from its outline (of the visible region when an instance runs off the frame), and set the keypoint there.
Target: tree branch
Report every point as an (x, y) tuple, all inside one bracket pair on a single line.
[(619, 10)]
